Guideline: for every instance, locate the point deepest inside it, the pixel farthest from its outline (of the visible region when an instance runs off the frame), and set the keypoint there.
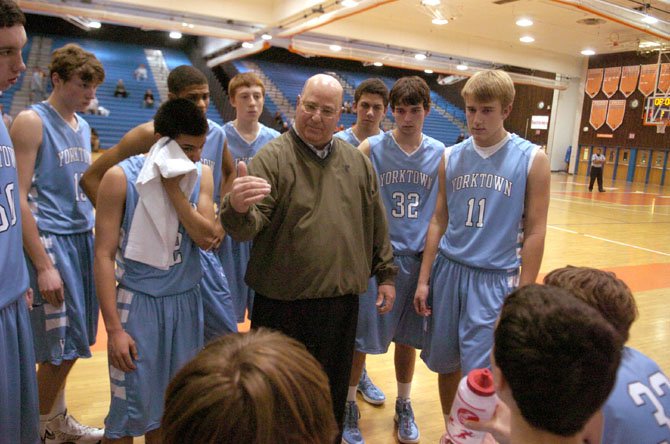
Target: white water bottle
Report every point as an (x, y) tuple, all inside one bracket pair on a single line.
[(475, 401)]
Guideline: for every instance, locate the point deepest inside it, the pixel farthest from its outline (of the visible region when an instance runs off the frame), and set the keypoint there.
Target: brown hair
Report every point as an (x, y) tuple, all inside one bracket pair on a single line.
[(255, 388), (372, 86), (600, 289), (411, 90), (488, 86), (71, 60), (247, 79), (184, 76), (11, 14)]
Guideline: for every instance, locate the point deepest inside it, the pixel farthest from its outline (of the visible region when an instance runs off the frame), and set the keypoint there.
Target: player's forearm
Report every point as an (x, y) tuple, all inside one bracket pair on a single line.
[(105, 285), (435, 232), (200, 228), (531, 258), (31, 240), (90, 181)]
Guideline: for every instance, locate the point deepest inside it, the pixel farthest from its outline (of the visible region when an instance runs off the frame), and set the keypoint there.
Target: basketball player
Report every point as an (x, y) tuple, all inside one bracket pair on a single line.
[(189, 83), (53, 149), (244, 137), (154, 319), (490, 217), (18, 386)]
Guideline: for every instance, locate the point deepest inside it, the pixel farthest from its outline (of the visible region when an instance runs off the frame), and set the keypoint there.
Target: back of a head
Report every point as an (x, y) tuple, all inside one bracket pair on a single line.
[(255, 388), (411, 90), (600, 289), (372, 86), (184, 76), (245, 79), (72, 59), (489, 86), (558, 355), (11, 14), (180, 116)]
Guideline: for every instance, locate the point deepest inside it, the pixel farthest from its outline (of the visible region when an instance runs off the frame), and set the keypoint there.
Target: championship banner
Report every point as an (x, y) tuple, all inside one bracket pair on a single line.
[(615, 112), (648, 77), (594, 78), (664, 78), (598, 113), (629, 76), (611, 80)]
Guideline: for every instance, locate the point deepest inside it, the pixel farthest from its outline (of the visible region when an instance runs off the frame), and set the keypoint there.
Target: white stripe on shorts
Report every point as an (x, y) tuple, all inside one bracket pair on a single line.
[(55, 323), (118, 391)]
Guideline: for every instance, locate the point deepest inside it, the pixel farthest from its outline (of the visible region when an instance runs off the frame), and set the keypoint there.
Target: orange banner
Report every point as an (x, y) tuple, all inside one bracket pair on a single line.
[(648, 79), (615, 113), (611, 80), (594, 79), (664, 78), (629, 76), (598, 113)]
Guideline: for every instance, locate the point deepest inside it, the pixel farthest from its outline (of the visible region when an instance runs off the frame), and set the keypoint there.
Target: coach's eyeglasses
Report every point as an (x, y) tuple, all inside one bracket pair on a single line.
[(312, 108)]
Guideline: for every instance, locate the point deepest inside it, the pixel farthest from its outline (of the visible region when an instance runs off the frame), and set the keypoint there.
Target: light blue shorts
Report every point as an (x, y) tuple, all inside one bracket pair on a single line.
[(465, 305), (168, 332), (19, 407), (402, 324), (216, 299), (66, 332), (234, 259)]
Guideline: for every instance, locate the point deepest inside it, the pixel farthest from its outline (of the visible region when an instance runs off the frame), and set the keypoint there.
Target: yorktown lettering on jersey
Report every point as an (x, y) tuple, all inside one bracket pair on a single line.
[(74, 154), (7, 157), (208, 162), (481, 180), (406, 176)]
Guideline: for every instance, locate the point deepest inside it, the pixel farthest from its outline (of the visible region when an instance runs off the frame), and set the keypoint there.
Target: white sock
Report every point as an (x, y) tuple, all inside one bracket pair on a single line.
[(59, 405), (404, 388), (351, 394)]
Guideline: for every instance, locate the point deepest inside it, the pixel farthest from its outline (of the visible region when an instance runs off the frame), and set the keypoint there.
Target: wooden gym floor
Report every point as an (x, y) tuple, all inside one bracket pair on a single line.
[(625, 230)]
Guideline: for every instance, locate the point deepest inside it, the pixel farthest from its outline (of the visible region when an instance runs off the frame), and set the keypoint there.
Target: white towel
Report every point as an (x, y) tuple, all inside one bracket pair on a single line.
[(153, 230)]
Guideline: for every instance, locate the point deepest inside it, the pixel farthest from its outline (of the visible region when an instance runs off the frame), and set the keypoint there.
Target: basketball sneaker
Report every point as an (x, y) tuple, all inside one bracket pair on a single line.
[(351, 434), (408, 432), (64, 428), (371, 393)]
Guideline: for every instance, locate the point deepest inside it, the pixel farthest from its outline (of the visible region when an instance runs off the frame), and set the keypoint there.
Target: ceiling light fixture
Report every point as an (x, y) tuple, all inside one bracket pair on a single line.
[(440, 21), (588, 52), (649, 19), (524, 22), (335, 48), (266, 36), (247, 45), (527, 39), (430, 2), (462, 67), (428, 71), (378, 64), (175, 35), (94, 24), (349, 3), (420, 56)]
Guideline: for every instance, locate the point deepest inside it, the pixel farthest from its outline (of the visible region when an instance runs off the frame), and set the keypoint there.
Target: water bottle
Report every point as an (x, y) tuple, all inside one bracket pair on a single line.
[(475, 401)]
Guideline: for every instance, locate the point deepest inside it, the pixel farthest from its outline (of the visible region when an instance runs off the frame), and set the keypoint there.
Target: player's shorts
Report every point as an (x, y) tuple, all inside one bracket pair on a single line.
[(465, 305), (216, 299), (19, 407), (402, 324), (234, 259), (168, 333), (66, 332)]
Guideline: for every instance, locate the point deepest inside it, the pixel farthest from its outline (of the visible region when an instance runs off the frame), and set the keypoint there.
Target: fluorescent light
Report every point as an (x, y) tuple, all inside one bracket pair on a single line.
[(247, 45), (648, 44), (335, 48), (349, 3), (651, 20), (266, 37), (430, 2), (95, 24), (462, 67), (440, 21), (378, 64), (588, 52), (524, 22), (191, 25), (527, 39), (420, 56), (175, 35), (428, 71), (184, 24)]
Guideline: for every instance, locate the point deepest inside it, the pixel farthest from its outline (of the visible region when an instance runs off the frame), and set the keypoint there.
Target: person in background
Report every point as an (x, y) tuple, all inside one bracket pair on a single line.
[(95, 141), (120, 89), (140, 72), (596, 173), (148, 100)]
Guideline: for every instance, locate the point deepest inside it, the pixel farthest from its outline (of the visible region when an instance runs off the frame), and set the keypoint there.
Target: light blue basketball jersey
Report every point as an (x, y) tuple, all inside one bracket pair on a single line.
[(58, 204), (638, 409), (179, 278), (485, 200), (240, 149), (348, 136), (12, 264), (212, 155), (408, 184)]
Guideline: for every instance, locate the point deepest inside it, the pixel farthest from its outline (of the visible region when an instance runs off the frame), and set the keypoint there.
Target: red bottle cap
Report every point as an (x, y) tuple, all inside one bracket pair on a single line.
[(480, 381)]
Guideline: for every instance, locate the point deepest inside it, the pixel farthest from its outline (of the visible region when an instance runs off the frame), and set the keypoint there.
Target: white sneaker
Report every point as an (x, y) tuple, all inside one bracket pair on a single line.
[(64, 428)]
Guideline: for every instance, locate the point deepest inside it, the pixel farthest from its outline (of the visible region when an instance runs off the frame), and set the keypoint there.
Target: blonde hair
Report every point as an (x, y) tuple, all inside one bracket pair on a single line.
[(488, 86), (256, 388)]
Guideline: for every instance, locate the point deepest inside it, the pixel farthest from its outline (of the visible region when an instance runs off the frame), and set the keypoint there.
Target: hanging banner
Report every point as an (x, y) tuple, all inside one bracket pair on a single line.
[(594, 78), (629, 76), (598, 113), (615, 111), (611, 80), (648, 77), (664, 78)]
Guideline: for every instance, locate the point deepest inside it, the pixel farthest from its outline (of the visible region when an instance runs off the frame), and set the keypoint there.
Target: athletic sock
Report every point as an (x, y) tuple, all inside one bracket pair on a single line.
[(351, 394), (404, 389)]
